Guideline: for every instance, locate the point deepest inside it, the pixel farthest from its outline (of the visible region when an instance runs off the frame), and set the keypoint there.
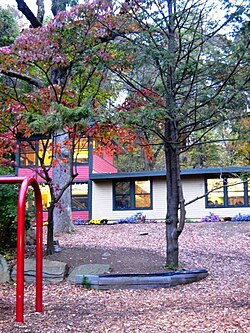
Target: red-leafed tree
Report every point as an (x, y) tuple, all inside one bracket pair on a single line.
[(52, 84)]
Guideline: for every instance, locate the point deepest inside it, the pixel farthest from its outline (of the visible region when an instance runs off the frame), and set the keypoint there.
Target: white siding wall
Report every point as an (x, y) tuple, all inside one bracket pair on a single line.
[(193, 187), (102, 202), (159, 200)]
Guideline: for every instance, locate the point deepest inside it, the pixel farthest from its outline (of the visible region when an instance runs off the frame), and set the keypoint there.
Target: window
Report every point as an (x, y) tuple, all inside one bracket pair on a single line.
[(122, 195), (46, 198), (142, 194), (216, 196), (81, 151), (79, 196), (30, 150), (235, 192), (48, 154), (27, 153), (227, 192), (132, 194)]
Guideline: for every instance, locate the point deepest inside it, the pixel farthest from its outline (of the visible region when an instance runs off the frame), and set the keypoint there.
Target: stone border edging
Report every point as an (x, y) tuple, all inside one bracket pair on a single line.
[(141, 281)]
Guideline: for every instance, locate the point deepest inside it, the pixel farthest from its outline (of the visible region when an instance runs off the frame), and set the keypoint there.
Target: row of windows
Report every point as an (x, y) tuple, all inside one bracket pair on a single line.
[(29, 152), (137, 194), (222, 192), (227, 192), (127, 195)]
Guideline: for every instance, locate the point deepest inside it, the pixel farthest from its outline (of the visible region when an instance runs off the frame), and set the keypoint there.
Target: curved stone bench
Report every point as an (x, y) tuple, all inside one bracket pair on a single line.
[(141, 281)]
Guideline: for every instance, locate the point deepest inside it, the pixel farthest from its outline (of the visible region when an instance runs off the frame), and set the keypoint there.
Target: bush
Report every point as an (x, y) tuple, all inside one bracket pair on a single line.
[(137, 218), (102, 221), (211, 218), (8, 215), (241, 217)]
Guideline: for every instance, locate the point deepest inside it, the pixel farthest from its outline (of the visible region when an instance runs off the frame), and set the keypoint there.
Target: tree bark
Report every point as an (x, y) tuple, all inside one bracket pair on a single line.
[(50, 231), (62, 178), (22, 6), (173, 195), (175, 217)]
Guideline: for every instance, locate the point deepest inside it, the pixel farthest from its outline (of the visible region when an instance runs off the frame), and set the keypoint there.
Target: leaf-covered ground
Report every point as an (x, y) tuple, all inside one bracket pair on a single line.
[(218, 304)]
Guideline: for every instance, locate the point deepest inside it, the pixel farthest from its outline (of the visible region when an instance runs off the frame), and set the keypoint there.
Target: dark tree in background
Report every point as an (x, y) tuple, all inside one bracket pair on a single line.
[(194, 83)]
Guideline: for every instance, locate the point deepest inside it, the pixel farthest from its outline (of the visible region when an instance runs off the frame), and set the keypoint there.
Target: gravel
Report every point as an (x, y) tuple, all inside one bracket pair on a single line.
[(219, 304)]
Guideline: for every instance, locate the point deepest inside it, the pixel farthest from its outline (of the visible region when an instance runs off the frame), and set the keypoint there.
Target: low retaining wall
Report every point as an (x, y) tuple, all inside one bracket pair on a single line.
[(141, 281)]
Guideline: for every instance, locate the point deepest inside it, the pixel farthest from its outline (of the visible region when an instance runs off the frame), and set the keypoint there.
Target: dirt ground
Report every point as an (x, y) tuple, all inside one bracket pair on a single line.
[(131, 258), (218, 304)]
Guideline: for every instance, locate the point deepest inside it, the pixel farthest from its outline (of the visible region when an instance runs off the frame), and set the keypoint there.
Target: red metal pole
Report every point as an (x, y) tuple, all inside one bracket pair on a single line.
[(39, 246), (25, 182), (20, 250)]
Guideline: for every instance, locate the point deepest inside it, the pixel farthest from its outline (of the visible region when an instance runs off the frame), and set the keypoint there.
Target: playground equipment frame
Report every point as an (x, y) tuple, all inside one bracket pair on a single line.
[(21, 206)]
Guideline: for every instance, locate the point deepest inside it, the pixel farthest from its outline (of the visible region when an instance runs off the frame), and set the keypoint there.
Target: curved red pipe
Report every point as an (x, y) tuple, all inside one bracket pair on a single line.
[(21, 206)]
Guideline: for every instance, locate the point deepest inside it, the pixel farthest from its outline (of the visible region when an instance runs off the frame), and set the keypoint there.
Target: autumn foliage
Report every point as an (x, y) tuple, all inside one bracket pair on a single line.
[(57, 80)]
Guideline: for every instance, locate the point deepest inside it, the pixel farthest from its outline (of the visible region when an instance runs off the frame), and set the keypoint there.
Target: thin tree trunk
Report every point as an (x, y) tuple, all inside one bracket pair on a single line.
[(173, 198), (50, 231)]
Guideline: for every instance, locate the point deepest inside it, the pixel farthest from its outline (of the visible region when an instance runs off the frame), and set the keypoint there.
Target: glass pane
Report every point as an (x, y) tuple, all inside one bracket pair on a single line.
[(235, 191), (80, 196), (216, 197), (142, 201), (46, 198), (122, 201), (122, 188), (48, 153), (81, 151), (27, 154), (142, 186)]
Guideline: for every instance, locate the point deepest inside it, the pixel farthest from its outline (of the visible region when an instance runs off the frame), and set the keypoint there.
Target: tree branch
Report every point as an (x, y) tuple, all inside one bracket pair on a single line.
[(23, 77), (22, 6)]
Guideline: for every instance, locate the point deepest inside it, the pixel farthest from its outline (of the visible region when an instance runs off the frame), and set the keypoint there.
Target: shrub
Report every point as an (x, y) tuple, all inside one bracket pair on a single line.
[(8, 215), (211, 218), (94, 221), (102, 221), (241, 217), (80, 221), (137, 218)]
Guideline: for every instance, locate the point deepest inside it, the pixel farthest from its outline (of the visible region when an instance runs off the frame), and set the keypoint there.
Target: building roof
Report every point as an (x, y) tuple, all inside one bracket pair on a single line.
[(162, 173)]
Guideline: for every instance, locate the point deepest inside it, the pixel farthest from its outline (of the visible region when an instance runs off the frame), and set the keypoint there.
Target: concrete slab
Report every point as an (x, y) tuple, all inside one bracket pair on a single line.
[(53, 271), (88, 269)]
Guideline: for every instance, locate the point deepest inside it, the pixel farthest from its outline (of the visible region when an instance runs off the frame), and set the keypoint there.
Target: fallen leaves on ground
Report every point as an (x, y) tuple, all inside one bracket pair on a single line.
[(219, 304)]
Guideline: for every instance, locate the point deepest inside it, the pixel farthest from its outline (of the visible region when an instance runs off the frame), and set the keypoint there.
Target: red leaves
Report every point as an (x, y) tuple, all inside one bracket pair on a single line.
[(8, 147), (77, 37), (115, 139)]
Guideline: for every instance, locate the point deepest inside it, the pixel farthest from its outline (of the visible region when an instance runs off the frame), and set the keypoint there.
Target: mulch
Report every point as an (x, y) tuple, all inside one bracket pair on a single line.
[(218, 304)]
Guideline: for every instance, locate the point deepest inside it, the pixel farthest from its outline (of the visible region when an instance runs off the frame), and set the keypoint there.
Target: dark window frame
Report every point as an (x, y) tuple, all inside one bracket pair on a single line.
[(87, 197), (36, 164), (132, 194), (246, 189), (22, 152), (75, 159)]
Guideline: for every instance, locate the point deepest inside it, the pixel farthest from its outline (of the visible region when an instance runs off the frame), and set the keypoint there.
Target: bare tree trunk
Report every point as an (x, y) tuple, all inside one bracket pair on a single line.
[(62, 178), (173, 197)]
